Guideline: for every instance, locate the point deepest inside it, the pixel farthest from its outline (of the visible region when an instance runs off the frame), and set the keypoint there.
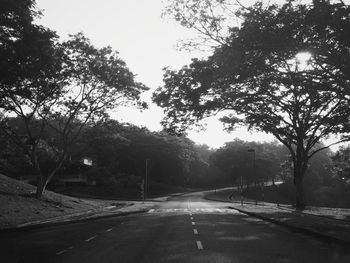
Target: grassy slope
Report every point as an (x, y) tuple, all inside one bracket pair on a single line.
[(325, 196), (18, 204)]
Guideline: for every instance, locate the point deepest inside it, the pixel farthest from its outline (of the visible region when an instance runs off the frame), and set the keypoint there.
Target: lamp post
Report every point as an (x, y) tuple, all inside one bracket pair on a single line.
[(146, 188), (251, 150), (241, 190)]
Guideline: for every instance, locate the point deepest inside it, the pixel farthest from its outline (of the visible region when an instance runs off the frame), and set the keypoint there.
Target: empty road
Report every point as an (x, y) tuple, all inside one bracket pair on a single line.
[(184, 229)]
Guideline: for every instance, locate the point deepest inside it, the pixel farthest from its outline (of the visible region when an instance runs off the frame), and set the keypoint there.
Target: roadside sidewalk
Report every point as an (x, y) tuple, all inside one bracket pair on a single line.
[(330, 224)]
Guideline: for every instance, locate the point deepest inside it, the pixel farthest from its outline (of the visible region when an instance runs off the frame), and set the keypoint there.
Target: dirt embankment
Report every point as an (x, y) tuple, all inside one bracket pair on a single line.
[(18, 204)]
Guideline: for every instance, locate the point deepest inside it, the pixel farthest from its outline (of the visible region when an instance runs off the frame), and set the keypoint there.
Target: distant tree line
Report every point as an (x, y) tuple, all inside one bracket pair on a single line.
[(121, 153)]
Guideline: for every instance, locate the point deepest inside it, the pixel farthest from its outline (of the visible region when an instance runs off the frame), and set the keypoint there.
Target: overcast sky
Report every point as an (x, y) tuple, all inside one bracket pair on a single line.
[(145, 41)]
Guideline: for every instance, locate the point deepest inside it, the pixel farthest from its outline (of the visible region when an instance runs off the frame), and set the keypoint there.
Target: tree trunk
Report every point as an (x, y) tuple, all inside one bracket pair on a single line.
[(41, 186), (300, 198), (299, 172), (42, 181)]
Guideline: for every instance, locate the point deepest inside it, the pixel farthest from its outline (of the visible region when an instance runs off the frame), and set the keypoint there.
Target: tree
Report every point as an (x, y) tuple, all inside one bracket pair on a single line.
[(275, 73), (26, 48), (170, 156), (124, 149), (86, 84), (210, 19), (105, 143), (204, 152), (341, 164), (238, 163)]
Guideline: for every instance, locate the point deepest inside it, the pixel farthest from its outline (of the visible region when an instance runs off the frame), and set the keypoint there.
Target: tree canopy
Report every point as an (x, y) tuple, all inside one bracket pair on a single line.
[(250, 162), (26, 48), (277, 73)]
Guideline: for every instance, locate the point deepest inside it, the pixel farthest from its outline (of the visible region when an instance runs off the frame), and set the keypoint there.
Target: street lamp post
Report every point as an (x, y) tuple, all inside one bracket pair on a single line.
[(254, 157), (241, 190), (146, 188)]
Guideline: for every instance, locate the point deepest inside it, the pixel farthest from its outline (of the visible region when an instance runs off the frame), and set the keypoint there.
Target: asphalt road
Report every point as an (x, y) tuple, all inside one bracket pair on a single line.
[(184, 229)]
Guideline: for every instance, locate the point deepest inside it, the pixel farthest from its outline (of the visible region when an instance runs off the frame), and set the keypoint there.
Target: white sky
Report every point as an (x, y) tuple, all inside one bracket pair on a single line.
[(145, 41)]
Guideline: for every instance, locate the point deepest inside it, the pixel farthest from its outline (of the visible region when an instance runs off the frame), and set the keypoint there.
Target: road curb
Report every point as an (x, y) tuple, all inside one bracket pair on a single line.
[(176, 195), (88, 216), (94, 216), (327, 238), (308, 231)]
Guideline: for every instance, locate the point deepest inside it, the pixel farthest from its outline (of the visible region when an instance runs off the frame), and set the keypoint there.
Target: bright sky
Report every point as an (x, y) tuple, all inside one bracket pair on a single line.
[(145, 41)]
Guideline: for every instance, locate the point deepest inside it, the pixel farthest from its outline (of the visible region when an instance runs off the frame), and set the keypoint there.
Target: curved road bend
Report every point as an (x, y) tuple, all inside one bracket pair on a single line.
[(187, 228)]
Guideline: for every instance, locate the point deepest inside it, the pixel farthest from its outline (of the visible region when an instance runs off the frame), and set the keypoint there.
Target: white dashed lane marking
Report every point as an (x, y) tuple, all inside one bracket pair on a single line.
[(193, 223), (64, 251), (91, 238), (110, 229), (61, 252), (199, 245), (195, 231)]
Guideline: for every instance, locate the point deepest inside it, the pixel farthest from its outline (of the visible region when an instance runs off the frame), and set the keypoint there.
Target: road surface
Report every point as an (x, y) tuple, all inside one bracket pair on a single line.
[(187, 228)]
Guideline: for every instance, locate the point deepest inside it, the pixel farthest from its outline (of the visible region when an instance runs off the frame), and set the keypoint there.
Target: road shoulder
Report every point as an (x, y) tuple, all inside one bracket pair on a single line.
[(319, 225)]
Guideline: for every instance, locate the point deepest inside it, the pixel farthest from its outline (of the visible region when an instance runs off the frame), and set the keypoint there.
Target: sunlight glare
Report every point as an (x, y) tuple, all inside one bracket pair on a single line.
[(303, 57)]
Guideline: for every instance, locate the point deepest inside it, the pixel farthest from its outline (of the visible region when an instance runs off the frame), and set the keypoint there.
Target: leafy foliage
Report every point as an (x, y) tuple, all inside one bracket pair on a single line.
[(260, 79), (27, 53), (124, 149), (238, 161), (341, 164)]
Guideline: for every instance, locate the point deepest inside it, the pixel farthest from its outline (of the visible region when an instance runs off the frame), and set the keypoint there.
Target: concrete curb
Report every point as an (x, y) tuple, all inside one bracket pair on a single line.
[(294, 228), (85, 216), (88, 217), (327, 238)]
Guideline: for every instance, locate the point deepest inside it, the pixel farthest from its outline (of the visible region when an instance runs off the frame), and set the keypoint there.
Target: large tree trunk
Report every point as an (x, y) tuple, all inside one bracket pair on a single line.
[(300, 197), (299, 173)]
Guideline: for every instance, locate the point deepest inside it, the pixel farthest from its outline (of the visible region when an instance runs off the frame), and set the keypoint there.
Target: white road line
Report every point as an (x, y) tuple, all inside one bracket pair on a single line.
[(61, 252), (91, 238), (64, 250), (110, 229), (199, 245), (191, 218), (193, 223), (195, 231)]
